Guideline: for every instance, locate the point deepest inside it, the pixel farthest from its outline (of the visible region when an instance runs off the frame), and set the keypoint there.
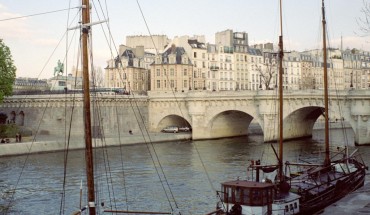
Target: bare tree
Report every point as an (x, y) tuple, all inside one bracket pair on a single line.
[(364, 21), (268, 71), (97, 77)]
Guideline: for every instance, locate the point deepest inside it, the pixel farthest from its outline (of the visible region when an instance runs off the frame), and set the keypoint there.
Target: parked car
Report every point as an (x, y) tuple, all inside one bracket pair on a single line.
[(171, 129), (184, 128)]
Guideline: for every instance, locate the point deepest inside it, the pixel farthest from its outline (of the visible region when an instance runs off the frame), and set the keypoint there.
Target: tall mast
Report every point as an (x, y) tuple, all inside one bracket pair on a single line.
[(327, 155), (281, 71), (86, 107)]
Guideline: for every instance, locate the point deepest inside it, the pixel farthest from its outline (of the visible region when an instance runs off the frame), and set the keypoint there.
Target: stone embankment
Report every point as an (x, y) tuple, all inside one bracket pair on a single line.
[(42, 144)]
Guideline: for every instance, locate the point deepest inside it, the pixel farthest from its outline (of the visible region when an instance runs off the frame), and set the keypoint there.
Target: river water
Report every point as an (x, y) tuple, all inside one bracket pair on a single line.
[(192, 171)]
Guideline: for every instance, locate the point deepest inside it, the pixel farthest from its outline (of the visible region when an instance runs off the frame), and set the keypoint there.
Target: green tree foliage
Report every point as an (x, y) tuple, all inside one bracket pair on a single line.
[(7, 71)]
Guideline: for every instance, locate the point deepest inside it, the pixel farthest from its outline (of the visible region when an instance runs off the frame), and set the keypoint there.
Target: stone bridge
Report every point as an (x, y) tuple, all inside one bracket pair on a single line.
[(209, 114), (226, 114)]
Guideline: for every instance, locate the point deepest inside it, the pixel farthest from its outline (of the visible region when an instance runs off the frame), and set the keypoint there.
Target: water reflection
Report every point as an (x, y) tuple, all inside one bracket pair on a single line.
[(193, 170)]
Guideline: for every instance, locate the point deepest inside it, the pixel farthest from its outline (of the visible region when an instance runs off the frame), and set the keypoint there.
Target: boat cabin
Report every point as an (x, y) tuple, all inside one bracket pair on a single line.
[(251, 197)]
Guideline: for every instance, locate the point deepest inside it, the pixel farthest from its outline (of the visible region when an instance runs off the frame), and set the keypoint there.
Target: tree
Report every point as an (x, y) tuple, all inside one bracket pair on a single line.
[(97, 77), (364, 22), (267, 71), (7, 71)]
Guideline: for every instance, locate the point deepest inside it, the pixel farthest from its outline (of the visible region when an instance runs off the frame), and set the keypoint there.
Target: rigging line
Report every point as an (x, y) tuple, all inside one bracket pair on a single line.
[(66, 146), (147, 27), (98, 114), (25, 161), (121, 156), (146, 24), (38, 127), (47, 62), (157, 52), (204, 167), (155, 153), (110, 34), (150, 143), (68, 138), (37, 14), (148, 133), (346, 139), (110, 40)]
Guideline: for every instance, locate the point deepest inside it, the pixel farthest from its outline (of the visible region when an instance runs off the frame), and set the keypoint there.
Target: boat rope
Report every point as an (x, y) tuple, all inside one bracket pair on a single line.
[(38, 14), (66, 126), (141, 129), (37, 127)]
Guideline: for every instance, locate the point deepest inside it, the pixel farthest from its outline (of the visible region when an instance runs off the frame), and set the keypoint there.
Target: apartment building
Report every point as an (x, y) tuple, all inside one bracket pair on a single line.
[(129, 71), (172, 71), (230, 64)]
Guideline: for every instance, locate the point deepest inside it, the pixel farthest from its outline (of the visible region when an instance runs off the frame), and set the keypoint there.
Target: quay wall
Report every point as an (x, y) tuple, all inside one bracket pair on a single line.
[(48, 145)]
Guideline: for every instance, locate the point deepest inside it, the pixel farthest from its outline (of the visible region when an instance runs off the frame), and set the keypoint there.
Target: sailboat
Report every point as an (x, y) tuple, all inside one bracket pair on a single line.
[(341, 173), (302, 192)]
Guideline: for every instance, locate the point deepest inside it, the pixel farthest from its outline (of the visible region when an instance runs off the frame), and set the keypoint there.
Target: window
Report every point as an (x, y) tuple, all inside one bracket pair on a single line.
[(172, 83), (158, 84), (158, 72), (172, 73), (195, 54), (185, 83), (185, 72)]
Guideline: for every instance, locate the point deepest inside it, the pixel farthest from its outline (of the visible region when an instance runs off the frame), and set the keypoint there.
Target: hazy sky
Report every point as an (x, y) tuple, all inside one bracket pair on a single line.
[(34, 40)]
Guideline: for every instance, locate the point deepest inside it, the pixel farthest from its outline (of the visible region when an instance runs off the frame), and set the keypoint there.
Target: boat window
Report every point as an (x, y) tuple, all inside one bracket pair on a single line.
[(286, 208), (229, 194), (237, 194), (264, 196), (246, 197), (291, 207), (295, 205), (256, 195)]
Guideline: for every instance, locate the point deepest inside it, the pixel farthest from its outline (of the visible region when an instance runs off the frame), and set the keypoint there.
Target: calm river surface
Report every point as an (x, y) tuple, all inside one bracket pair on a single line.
[(192, 170)]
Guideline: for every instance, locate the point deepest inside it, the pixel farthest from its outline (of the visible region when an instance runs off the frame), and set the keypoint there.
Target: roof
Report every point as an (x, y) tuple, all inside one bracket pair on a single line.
[(195, 44), (247, 184), (178, 51), (253, 51)]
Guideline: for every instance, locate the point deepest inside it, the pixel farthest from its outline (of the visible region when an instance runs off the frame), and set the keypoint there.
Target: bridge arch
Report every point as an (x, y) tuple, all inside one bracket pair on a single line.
[(300, 122), (172, 120), (229, 123)]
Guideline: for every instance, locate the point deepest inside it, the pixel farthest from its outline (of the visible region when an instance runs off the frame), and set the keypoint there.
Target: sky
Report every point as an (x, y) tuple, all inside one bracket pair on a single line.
[(38, 42)]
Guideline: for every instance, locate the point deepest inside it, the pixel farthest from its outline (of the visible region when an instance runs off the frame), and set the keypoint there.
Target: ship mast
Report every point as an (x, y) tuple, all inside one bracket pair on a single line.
[(281, 71), (86, 107), (327, 153)]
